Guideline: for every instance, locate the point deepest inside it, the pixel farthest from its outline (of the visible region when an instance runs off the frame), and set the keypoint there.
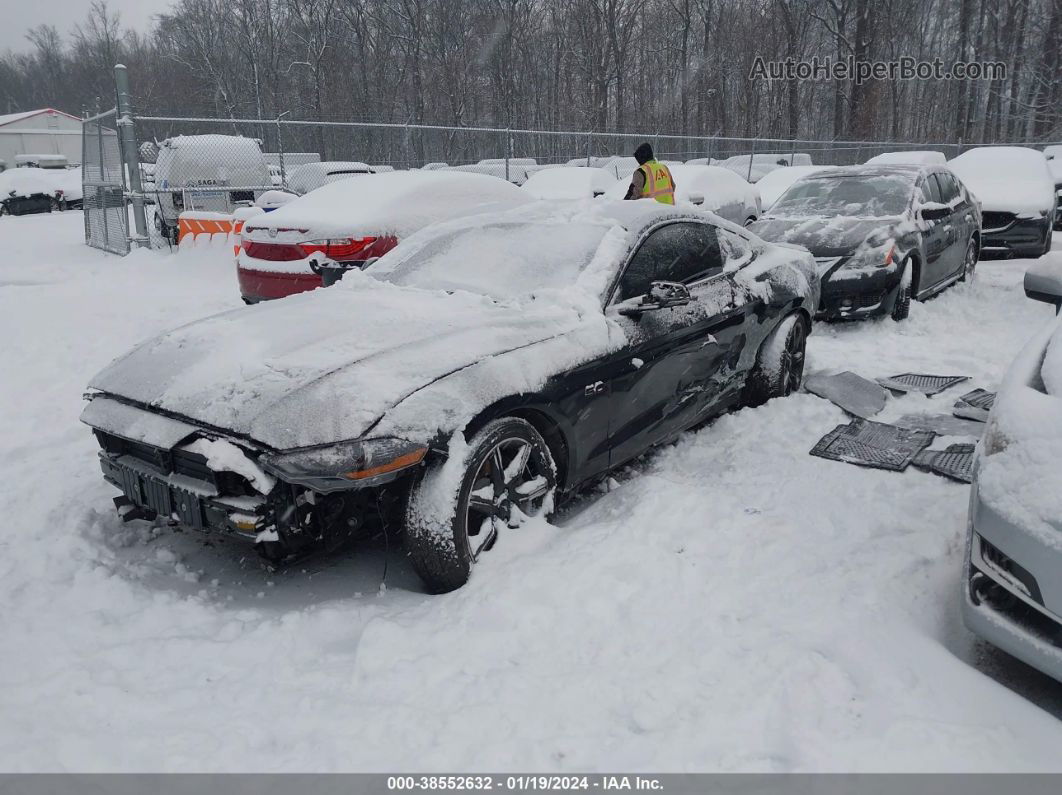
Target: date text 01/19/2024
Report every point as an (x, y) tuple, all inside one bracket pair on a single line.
[(537, 783)]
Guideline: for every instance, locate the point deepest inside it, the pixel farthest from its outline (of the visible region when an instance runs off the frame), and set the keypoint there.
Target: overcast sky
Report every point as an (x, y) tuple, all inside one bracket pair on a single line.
[(18, 16)]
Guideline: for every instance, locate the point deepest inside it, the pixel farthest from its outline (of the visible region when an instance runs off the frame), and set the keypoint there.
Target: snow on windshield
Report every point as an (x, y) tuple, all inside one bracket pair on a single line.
[(860, 196), (505, 260)]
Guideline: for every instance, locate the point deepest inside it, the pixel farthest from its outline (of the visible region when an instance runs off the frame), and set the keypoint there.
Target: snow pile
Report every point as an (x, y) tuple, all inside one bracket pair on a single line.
[(569, 183), (398, 204), (1007, 179), (913, 157), (777, 182)]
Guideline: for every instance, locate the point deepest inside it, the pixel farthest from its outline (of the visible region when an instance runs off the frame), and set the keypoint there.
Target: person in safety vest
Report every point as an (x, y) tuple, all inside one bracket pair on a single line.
[(652, 179)]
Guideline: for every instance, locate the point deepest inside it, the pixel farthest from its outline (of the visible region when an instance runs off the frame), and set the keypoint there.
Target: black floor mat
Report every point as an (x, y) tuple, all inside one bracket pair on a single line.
[(954, 461), (942, 425), (975, 405), (921, 382), (873, 444), (858, 396)]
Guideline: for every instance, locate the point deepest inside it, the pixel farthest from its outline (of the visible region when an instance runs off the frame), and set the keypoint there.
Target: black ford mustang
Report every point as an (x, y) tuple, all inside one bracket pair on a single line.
[(456, 386), (881, 235)]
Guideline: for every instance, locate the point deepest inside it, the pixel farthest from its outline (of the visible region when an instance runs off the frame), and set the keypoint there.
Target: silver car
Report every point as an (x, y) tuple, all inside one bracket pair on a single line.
[(1012, 583)]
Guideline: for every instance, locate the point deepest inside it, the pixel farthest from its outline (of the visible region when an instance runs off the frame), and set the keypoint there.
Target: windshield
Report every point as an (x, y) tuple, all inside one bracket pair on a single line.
[(502, 260), (860, 196)]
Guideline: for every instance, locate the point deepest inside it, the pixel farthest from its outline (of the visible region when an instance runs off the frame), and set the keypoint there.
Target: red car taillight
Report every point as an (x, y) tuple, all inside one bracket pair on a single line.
[(346, 249)]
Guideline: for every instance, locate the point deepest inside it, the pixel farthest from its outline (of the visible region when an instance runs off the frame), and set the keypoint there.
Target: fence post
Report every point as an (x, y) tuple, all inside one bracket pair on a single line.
[(280, 152), (508, 148), (129, 153), (589, 146), (752, 154)]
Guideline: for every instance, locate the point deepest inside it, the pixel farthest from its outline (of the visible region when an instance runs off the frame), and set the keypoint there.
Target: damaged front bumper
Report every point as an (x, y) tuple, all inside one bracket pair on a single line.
[(857, 293)]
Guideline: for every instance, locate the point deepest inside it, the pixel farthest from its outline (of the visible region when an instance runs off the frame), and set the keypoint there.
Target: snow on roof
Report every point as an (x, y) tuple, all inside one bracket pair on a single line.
[(569, 182), (27, 114), (310, 176), (923, 157), (397, 203), (1007, 178)]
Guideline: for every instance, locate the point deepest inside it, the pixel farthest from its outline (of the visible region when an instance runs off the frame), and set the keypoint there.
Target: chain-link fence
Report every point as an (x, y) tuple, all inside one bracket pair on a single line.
[(216, 165), (103, 183)]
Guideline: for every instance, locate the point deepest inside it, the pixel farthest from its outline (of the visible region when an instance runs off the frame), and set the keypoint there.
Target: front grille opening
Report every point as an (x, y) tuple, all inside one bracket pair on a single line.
[(178, 462), (984, 590), (995, 220)]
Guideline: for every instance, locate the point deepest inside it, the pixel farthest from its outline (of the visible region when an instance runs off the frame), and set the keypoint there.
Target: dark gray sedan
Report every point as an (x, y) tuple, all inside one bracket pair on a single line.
[(881, 235)]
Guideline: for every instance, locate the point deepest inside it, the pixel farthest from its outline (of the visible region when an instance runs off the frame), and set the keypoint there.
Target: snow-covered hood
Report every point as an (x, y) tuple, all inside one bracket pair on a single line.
[(326, 366), (823, 237), (1020, 471)]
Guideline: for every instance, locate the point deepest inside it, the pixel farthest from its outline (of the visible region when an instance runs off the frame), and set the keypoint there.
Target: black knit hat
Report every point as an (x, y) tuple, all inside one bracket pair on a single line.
[(644, 153)]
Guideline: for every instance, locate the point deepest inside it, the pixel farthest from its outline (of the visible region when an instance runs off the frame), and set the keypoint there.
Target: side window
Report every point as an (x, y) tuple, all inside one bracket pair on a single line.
[(931, 191), (680, 252), (948, 189), (736, 250)]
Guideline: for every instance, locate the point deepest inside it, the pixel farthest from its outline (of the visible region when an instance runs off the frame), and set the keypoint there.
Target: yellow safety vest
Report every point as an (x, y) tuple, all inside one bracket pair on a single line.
[(658, 182)]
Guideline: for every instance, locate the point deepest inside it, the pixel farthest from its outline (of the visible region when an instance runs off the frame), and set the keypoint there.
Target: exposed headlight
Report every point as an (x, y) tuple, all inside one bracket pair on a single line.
[(879, 251), (349, 465)]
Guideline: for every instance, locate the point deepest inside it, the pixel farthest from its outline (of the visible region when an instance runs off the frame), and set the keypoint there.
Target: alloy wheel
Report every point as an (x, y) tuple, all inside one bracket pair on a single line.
[(793, 359), (509, 486)]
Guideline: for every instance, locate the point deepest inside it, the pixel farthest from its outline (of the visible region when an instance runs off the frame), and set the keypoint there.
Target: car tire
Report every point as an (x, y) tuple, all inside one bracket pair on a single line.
[(450, 519), (901, 307), (779, 368), (969, 264)]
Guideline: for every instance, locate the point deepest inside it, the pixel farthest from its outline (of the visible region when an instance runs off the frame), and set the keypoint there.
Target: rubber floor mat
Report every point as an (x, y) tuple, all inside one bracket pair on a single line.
[(954, 461), (921, 382), (873, 444), (858, 396), (942, 425), (975, 405)]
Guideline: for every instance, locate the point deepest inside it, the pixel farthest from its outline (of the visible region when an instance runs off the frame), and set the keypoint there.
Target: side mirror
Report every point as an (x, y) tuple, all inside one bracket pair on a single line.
[(661, 295), (1043, 282), (932, 212)]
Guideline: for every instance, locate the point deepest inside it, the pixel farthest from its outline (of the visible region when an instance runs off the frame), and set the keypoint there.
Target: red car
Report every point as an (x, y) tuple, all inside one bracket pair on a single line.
[(312, 241)]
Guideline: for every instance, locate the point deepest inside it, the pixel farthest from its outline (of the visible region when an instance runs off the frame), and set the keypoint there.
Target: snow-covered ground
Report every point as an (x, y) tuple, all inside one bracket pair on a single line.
[(731, 604)]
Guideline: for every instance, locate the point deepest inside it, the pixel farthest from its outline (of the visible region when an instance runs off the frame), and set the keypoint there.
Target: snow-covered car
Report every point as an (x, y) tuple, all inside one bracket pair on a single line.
[(712, 188), (465, 382), (569, 182), (755, 167), (311, 176), (775, 183), (1054, 163), (312, 241), (213, 173), (28, 190), (515, 172), (914, 157), (1012, 578), (881, 235), (1017, 194)]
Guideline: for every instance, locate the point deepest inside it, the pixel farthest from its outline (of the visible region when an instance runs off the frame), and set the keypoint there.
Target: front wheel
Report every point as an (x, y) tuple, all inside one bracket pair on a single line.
[(901, 307), (460, 509), (779, 368), (969, 264)]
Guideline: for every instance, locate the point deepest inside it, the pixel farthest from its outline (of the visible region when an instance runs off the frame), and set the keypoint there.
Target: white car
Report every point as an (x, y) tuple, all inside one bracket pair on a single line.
[(313, 240), (311, 176), (1017, 193), (756, 166), (712, 188), (925, 157), (569, 182), (1012, 578)]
